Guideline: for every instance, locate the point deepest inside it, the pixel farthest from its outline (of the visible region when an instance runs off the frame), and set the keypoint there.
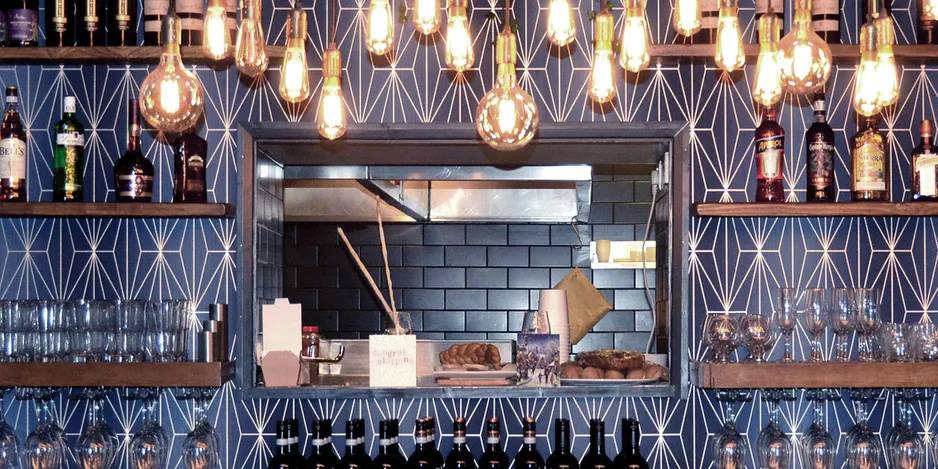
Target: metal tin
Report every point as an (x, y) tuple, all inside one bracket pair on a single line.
[(218, 312)]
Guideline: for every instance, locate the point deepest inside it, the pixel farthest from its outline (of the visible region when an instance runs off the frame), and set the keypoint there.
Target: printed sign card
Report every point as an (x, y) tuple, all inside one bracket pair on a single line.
[(393, 360), (538, 359)]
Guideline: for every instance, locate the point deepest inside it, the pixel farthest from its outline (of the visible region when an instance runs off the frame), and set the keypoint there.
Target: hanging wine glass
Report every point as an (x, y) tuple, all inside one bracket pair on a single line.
[(730, 449), (149, 446), (97, 444), (774, 446), (904, 444), (200, 450), (9, 443), (862, 447), (45, 445), (818, 444)]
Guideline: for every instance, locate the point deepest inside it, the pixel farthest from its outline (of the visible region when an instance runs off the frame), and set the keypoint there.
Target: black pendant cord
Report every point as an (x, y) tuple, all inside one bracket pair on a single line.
[(335, 20), (507, 15)]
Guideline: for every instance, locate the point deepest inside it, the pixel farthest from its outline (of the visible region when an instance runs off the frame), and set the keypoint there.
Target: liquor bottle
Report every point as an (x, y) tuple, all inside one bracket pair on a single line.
[(494, 456), (13, 151), (425, 455), (770, 158), (825, 20), (561, 457), (709, 19), (435, 455), (819, 140), (596, 455), (528, 457), (360, 452), (22, 23), (60, 23), (282, 458), (91, 23), (925, 165), (153, 12), (190, 152), (389, 449), (870, 175), (631, 455), (68, 152), (322, 455), (460, 457), (298, 459), (122, 23), (192, 16), (133, 173), (778, 8)]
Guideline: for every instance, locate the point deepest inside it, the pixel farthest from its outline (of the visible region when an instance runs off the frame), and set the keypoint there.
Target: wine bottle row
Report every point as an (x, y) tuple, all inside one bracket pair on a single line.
[(133, 173), (869, 163), (427, 456), (101, 22)]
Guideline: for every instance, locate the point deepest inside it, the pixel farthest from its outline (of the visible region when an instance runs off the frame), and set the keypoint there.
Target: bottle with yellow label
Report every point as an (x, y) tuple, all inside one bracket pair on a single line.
[(870, 163), (770, 159), (924, 165)]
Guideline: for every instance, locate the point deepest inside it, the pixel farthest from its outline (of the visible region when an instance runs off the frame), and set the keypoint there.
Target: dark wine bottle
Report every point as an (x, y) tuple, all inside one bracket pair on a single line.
[(425, 454), (122, 23), (60, 23), (358, 450), (528, 456), (13, 152), (770, 159), (596, 455), (460, 457), (561, 457), (191, 153), (68, 155), (298, 460), (494, 456), (133, 173), (435, 454), (389, 449), (90, 26), (819, 140), (322, 455), (282, 459), (22, 23), (631, 455)]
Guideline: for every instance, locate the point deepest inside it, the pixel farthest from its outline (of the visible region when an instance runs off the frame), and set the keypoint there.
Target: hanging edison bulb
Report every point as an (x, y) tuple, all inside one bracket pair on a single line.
[(251, 46), (886, 68), (804, 57), (506, 117), (687, 19), (633, 45), (929, 11), (603, 74), (427, 16), (866, 88), (561, 26), (216, 42), (729, 55), (294, 74), (380, 29), (331, 120), (767, 84), (171, 96), (459, 54)]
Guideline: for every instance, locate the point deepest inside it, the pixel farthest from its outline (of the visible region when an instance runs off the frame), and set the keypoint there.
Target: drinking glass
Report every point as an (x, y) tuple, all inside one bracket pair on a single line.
[(200, 449), (164, 325), (536, 322), (843, 321), (862, 448), (724, 337), (9, 443), (904, 445), (25, 317), (53, 330), (130, 329), (97, 445), (45, 445), (730, 449), (150, 445), (785, 318), (757, 334), (896, 341), (774, 446), (867, 321), (6, 331), (818, 444), (815, 320), (925, 342)]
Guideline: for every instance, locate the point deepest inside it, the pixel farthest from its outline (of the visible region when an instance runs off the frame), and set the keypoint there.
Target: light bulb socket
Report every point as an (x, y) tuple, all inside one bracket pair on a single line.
[(869, 40), (332, 63), (251, 9), (458, 8), (885, 29), (297, 22), (768, 29), (506, 48), (631, 5), (212, 4), (605, 29), (729, 4), (172, 29)]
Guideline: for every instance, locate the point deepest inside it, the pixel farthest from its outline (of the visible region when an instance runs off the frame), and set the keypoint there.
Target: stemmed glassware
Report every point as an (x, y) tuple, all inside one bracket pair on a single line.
[(774, 446), (843, 320), (45, 445), (785, 318), (757, 334), (862, 448), (818, 444), (730, 449), (904, 445), (97, 445), (815, 320), (9, 443), (868, 321), (200, 449), (150, 445), (723, 334)]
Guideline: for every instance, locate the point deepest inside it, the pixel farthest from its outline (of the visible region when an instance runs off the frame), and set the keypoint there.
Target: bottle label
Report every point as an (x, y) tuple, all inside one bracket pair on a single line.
[(420, 440), (283, 441), (135, 185), (155, 7), (820, 163), (529, 440), (70, 139), (869, 167), (351, 442), (72, 170), (925, 166), (327, 440), (769, 154), (319, 442), (190, 6), (387, 441), (492, 440), (23, 24), (12, 99), (459, 439), (826, 7), (12, 158)]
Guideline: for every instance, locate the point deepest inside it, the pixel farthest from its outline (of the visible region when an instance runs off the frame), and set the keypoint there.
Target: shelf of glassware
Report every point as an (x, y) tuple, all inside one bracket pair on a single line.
[(817, 209), (707, 375), (142, 375)]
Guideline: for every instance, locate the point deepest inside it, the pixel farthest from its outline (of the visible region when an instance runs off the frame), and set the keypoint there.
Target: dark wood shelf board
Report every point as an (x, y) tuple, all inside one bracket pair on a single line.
[(820, 209), (814, 375), (115, 210), (163, 375)]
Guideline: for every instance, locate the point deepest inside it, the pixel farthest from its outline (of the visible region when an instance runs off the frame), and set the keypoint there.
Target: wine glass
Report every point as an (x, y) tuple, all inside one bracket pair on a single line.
[(724, 337), (97, 445), (45, 445), (149, 446), (862, 447), (9, 442), (843, 320), (757, 334), (785, 318), (730, 450), (903, 443), (200, 449), (815, 320), (867, 321), (818, 444), (774, 446)]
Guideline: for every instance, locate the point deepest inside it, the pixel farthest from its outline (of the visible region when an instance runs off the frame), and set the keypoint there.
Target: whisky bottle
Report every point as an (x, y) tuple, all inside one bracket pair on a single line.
[(133, 173), (770, 159), (13, 151), (68, 153), (91, 23), (190, 155), (870, 174), (60, 23), (825, 19), (925, 165), (3, 25), (282, 459), (122, 23), (819, 140)]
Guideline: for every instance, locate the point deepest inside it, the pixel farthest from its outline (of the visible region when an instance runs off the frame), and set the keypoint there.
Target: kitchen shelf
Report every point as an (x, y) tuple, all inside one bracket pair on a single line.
[(814, 375), (162, 375), (456, 392), (621, 265), (115, 210), (818, 209)]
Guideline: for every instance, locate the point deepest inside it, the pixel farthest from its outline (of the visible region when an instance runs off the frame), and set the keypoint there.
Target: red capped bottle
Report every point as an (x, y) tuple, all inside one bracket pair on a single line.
[(770, 158)]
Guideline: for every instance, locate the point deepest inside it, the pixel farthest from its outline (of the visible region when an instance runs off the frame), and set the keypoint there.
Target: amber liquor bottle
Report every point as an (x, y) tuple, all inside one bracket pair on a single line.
[(819, 140), (133, 173), (12, 152), (770, 159), (924, 165), (191, 152), (870, 174)]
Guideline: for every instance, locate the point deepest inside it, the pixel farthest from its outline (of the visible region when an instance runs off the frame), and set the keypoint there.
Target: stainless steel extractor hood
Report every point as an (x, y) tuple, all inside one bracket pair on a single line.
[(528, 194)]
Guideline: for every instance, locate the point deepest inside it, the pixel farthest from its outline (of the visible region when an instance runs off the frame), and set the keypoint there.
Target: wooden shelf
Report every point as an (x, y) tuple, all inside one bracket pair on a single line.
[(115, 210), (819, 209), (136, 375), (130, 54), (814, 375)]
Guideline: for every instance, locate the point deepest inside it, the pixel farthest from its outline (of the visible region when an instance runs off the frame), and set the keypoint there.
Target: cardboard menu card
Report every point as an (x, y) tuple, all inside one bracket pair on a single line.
[(282, 325)]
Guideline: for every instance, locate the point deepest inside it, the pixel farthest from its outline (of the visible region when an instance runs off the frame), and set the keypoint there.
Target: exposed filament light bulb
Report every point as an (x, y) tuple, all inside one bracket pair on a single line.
[(929, 10), (866, 88), (331, 121), (294, 74), (459, 53), (380, 29), (804, 57), (687, 19), (729, 55), (886, 70), (767, 84), (561, 25), (216, 43), (427, 16), (602, 75), (251, 47), (633, 45)]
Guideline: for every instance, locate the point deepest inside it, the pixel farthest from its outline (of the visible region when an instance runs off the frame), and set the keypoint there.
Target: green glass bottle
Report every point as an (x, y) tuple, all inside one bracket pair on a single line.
[(69, 156)]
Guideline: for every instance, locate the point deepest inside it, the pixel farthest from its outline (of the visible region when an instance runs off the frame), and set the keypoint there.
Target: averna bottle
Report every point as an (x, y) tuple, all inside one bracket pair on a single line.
[(770, 158), (282, 458), (494, 456), (190, 154), (460, 457), (90, 23), (60, 23), (322, 455), (819, 140), (389, 449), (22, 23), (631, 455), (596, 455), (122, 23), (870, 175), (561, 457), (12, 152), (133, 173), (925, 165), (528, 457), (68, 155)]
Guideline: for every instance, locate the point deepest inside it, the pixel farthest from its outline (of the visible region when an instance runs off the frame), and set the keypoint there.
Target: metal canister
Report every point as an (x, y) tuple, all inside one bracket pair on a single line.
[(218, 312)]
